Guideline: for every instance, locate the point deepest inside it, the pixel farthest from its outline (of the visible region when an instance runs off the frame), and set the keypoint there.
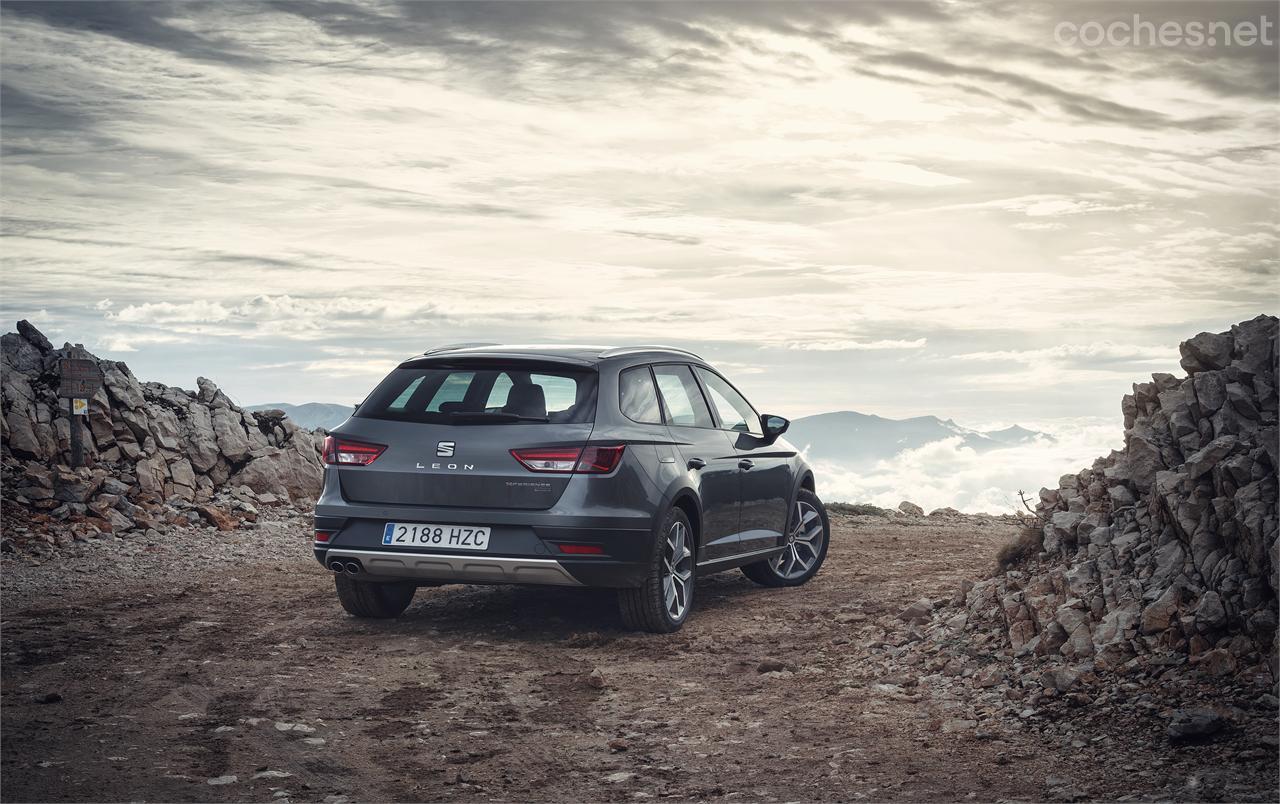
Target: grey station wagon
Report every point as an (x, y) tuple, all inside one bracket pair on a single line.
[(634, 468)]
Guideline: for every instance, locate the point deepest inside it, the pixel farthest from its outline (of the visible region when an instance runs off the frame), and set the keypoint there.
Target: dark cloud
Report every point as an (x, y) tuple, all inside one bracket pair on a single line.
[(1087, 107), (683, 240), (141, 23)]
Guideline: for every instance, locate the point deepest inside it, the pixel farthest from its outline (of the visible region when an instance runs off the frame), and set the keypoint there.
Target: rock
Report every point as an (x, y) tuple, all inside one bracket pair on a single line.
[(1207, 458), (910, 508), (595, 679), (272, 774), (218, 781), (216, 517), (229, 432), (1060, 679), (76, 486), (1161, 613), (34, 336), (293, 472), (920, 611), (49, 698), (1210, 614), (1218, 662), (1194, 724), (1164, 552), (618, 745), (771, 666), (1207, 351), (953, 725), (619, 777)]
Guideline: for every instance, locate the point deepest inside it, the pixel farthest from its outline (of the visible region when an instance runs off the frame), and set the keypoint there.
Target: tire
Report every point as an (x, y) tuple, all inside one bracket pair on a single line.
[(663, 603), (373, 598), (808, 538)]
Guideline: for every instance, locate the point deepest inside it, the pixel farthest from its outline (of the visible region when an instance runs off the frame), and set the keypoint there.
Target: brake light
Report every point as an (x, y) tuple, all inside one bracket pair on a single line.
[(350, 453), (581, 549), (324, 535), (566, 460), (548, 460), (600, 459)]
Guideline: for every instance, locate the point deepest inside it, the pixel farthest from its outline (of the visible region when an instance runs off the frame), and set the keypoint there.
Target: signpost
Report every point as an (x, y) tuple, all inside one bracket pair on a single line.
[(79, 379)]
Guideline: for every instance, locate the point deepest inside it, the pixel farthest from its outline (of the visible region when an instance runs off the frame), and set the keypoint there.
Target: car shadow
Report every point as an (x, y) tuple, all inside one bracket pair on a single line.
[(542, 613)]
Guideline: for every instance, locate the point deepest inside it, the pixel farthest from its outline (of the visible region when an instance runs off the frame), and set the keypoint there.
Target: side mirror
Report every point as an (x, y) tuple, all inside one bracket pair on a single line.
[(773, 426)]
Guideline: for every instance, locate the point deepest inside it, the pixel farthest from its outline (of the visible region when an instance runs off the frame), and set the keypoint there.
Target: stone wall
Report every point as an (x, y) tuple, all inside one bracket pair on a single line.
[(156, 453), (1166, 549)]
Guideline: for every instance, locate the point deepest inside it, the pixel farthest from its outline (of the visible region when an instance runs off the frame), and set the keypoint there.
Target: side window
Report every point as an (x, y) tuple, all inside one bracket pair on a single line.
[(680, 393), (403, 399), (734, 411), (561, 392), (498, 393), (637, 397), (453, 389)]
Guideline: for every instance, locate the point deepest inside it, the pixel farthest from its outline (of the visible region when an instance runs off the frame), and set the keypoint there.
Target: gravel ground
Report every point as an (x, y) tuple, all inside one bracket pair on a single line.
[(220, 667), (179, 556)]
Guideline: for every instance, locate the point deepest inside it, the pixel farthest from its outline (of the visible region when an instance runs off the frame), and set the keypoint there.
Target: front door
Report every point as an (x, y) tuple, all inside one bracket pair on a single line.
[(707, 454), (765, 467)]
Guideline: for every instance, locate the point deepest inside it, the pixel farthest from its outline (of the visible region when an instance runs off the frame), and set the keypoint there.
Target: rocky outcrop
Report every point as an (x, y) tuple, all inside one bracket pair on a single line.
[(1167, 548), (156, 453)]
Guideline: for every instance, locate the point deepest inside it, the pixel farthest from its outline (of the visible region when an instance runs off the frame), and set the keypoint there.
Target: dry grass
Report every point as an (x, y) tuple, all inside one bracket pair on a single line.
[(860, 509), (1021, 550)]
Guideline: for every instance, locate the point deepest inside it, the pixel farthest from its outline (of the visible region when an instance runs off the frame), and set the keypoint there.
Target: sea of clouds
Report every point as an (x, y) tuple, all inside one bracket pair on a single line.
[(946, 473)]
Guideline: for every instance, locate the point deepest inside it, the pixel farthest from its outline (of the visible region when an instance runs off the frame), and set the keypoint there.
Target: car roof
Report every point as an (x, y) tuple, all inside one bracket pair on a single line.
[(557, 352)]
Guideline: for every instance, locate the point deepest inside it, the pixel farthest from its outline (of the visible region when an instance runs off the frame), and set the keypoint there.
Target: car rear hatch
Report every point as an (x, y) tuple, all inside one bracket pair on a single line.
[(452, 433)]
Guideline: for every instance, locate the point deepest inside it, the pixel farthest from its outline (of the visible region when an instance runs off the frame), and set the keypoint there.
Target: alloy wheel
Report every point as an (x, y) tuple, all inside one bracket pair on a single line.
[(804, 542), (678, 565)]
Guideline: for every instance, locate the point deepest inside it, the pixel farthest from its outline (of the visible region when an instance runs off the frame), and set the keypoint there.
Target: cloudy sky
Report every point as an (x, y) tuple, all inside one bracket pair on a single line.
[(899, 208)]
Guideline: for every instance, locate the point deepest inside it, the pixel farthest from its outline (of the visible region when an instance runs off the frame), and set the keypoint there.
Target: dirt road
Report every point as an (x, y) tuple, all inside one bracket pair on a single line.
[(244, 682)]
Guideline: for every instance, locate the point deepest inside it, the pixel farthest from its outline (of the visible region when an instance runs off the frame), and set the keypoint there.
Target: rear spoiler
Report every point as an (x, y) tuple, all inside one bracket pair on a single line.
[(445, 359)]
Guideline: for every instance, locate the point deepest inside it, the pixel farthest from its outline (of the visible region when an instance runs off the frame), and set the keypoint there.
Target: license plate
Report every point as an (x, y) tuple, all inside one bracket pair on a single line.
[(446, 537)]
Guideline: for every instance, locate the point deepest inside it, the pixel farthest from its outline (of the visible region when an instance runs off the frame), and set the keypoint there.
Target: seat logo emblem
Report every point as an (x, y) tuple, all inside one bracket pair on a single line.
[(445, 449)]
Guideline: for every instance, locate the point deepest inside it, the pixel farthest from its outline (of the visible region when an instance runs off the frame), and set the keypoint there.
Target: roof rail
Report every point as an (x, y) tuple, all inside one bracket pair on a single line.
[(451, 346), (627, 350)]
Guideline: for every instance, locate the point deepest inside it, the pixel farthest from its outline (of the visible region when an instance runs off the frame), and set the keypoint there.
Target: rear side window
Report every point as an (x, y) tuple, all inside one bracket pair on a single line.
[(734, 410), (637, 397), (484, 394), (682, 397)]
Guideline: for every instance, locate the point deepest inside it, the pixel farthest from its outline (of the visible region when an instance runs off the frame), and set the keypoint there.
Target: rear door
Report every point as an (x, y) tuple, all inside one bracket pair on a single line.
[(707, 452), (449, 428), (766, 470)]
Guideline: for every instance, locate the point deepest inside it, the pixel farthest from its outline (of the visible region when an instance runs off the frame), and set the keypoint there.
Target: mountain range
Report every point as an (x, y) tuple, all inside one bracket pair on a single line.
[(311, 415), (846, 436), (859, 438)]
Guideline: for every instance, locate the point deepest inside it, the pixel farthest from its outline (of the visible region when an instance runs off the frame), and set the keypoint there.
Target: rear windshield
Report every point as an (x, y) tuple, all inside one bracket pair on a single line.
[(484, 393)]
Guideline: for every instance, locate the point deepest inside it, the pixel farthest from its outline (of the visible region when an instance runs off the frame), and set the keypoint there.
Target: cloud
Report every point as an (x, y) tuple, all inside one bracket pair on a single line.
[(129, 342), (858, 346), (1094, 354), (908, 174), (946, 473), (862, 189)]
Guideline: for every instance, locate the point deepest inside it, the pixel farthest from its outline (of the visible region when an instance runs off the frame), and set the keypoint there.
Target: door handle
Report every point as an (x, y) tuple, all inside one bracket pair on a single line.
[(696, 463), (746, 463)]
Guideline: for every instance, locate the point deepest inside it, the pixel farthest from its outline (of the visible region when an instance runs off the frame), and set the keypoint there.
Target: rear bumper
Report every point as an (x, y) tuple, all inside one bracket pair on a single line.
[(454, 567), (523, 549)]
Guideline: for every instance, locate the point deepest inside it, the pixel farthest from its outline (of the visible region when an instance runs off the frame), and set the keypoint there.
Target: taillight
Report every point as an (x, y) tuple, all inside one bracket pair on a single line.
[(324, 535), (600, 459), (350, 453), (583, 460)]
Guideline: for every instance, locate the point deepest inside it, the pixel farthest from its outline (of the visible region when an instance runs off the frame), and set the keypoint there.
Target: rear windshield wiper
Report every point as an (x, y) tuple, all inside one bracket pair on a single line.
[(495, 416)]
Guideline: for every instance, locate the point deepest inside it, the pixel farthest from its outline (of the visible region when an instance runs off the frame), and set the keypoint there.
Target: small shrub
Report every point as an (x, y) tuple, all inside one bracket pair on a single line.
[(858, 509), (1021, 550)]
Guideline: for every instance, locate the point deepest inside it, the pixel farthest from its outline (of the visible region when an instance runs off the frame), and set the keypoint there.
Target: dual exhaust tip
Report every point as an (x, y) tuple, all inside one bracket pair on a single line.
[(349, 567)]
